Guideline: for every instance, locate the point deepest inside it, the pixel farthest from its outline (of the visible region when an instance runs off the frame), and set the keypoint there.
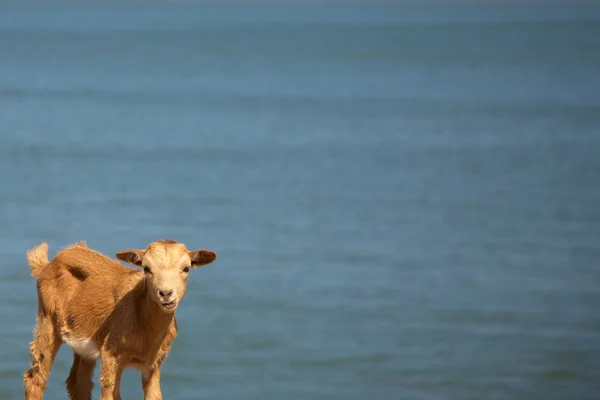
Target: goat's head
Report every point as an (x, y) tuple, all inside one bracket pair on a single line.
[(166, 265)]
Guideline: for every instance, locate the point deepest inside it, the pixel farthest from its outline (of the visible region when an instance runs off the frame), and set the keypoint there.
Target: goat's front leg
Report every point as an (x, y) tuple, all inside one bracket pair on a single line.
[(151, 384), (110, 377)]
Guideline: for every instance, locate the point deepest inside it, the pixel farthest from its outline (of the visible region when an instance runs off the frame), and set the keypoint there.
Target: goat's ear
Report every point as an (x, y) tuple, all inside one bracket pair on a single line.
[(202, 257), (131, 256)]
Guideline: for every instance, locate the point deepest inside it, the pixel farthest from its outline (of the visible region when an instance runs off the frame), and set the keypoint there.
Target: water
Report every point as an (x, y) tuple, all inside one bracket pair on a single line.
[(404, 197)]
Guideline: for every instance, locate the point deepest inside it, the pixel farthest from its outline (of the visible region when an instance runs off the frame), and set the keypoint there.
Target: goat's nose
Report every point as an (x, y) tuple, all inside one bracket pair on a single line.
[(165, 293)]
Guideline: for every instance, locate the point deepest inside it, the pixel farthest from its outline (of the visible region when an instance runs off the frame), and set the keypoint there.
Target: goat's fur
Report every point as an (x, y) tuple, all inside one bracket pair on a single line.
[(104, 310)]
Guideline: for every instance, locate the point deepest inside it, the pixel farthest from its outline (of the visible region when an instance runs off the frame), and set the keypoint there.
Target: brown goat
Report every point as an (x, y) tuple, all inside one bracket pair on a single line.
[(104, 310)]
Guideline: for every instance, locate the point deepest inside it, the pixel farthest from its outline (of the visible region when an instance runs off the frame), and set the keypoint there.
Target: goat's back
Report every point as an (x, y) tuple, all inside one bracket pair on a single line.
[(81, 287)]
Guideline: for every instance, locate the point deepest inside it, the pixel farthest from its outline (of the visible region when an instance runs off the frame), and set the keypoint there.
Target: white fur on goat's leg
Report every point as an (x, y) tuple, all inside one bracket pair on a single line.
[(84, 347), (151, 384)]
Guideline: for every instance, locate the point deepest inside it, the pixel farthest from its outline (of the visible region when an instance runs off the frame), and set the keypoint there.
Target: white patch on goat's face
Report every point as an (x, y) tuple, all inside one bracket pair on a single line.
[(84, 347)]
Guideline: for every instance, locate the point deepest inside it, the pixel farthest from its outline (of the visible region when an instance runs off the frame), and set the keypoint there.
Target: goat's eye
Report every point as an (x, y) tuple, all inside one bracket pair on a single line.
[(147, 270), (186, 269)]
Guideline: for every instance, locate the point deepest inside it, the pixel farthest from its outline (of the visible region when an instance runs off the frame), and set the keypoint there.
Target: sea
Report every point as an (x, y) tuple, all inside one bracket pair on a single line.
[(404, 196)]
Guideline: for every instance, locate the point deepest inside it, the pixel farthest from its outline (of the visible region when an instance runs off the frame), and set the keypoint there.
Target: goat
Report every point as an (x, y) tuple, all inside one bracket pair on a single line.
[(104, 310)]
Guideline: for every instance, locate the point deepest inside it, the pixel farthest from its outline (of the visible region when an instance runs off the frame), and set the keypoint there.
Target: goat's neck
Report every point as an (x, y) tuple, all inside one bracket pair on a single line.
[(154, 321)]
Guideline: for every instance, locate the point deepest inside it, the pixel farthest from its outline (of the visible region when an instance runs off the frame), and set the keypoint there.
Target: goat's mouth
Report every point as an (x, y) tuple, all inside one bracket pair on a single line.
[(169, 306)]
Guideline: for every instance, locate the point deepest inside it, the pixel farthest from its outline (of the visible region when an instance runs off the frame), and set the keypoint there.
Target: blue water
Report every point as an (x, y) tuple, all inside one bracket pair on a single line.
[(404, 197)]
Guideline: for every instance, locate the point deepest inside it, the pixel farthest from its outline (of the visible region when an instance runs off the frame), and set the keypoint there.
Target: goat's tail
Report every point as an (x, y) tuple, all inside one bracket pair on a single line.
[(37, 258)]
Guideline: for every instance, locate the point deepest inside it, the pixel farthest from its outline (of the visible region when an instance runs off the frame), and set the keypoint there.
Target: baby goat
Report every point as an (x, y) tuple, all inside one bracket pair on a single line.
[(104, 310)]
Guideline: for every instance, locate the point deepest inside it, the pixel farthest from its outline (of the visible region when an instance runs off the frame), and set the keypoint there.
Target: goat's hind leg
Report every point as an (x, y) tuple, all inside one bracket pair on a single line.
[(79, 383), (43, 349)]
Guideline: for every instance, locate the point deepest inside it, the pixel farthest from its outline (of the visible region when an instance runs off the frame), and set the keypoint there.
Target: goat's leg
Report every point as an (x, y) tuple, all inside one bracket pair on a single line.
[(110, 377), (79, 383), (43, 349), (151, 384)]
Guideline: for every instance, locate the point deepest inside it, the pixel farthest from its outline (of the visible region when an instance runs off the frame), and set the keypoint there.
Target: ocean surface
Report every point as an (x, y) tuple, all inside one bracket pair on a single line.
[(404, 197)]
